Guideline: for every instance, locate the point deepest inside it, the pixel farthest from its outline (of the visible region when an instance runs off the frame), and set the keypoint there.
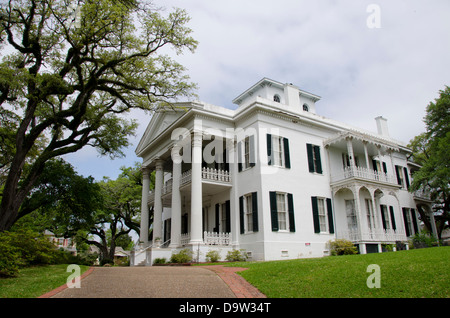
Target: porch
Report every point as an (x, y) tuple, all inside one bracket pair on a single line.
[(374, 235)]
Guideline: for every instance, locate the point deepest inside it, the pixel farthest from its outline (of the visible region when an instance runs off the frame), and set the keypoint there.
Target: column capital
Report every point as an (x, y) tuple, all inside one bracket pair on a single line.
[(145, 171), (197, 138), (159, 163)]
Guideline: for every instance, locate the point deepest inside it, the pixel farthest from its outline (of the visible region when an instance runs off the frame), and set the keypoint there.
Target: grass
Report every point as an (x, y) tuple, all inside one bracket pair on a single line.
[(412, 274), (35, 281)]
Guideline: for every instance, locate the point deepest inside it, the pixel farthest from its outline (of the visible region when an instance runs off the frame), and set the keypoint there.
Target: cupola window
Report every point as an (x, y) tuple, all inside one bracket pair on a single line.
[(276, 98)]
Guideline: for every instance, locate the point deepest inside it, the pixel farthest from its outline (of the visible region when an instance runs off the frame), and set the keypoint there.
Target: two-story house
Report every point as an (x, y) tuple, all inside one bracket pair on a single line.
[(271, 177)]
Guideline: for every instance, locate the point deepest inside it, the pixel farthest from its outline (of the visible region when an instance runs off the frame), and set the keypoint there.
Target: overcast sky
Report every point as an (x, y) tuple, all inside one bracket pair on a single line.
[(361, 66)]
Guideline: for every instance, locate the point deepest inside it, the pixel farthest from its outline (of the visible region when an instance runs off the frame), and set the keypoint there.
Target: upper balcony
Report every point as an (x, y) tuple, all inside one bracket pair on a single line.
[(216, 179), (362, 174)]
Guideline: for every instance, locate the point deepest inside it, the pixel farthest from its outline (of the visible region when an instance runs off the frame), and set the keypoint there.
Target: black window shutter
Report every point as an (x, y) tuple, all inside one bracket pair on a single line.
[(241, 214), (269, 149), (405, 170), (287, 159), (383, 218), (318, 161), (384, 167), (414, 221), (273, 210), (405, 220), (315, 210), (391, 210), (239, 146), (309, 150), (330, 216), (374, 165), (255, 211), (216, 229), (228, 216), (251, 146), (291, 212)]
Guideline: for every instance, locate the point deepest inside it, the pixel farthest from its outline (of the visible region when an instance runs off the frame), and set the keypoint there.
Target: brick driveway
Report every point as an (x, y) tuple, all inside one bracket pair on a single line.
[(160, 282)]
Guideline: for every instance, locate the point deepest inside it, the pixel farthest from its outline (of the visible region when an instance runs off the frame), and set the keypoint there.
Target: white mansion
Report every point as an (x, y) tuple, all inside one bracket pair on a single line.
[(272, 178)]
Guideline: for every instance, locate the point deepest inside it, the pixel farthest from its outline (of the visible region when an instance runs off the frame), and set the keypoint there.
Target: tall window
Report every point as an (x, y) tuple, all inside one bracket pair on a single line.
[(322, 215), (385, 217), (247, 152), (370, 214), (323, 218), (276, 98), (248, 213), (278, 151), (314, 161), (282, 211), (352, 221)]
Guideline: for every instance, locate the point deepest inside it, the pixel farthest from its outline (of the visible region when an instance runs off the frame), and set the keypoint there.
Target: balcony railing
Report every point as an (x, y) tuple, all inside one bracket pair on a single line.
[(373, 236), (209, 238), (362, 173)]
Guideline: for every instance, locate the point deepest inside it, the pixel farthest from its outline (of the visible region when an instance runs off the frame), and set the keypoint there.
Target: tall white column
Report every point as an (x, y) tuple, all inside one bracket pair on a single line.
[(158, 207), (350, 152), (143, 237), (234, 200), (176, 198), (196, 190)]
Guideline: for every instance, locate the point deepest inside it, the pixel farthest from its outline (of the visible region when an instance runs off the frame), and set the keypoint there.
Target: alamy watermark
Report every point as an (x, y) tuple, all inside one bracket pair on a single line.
[(374, 19), (74, 280), (374, 279)]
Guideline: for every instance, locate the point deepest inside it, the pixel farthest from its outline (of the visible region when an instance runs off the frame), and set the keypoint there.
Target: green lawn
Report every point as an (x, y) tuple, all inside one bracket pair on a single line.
[(414, 273), (35, 281)]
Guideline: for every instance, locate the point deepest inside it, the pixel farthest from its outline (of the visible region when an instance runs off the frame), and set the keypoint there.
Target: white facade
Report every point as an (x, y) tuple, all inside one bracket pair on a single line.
[(273, 178)]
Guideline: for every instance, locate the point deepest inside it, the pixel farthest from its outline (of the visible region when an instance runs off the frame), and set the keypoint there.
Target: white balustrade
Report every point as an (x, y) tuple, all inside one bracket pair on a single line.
[(373, 235), (362, 173), (185, 238), (217, 238)]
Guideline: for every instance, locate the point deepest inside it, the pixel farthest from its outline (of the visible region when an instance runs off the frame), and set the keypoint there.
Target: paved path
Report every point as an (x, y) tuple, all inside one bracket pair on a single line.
[(160, 282)]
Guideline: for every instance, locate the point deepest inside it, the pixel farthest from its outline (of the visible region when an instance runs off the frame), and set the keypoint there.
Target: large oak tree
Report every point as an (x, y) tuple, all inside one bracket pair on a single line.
[(68, 75)]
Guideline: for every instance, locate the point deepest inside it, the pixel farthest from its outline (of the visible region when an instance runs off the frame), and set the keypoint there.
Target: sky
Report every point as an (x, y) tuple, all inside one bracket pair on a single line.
[(364, 58)]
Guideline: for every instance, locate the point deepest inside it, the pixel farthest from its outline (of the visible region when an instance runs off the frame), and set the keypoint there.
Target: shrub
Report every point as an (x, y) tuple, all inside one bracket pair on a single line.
[(183, 256), (10, 257), (212, 256), (236, 256), (422, 239), (160, 260), (342, 247)]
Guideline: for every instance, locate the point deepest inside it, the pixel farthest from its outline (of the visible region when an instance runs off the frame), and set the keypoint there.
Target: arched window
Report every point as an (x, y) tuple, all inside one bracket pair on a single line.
[(276, 98), (305, 107)]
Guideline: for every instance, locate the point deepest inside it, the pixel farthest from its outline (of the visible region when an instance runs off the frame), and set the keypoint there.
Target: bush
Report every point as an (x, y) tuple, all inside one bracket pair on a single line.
[(212, 256), (25, 248), (422, 239), (10, 257), (160, 260), (236, 256), (183, 256), (342, 247)]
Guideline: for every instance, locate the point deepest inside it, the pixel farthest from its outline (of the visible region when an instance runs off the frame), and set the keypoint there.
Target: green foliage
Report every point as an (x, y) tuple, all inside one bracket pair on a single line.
[(236, 256), (431, 151), (424, 239), (64, 85), (212, 256), (342, 247), (183, 256), (24, 248), (162, 260)]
